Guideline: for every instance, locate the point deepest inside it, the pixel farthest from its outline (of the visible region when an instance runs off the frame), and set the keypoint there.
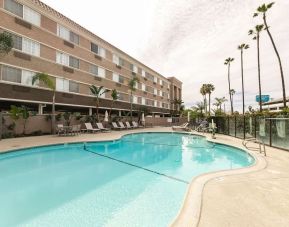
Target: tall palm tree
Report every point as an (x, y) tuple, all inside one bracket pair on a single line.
[(232, 92), (203, 92), (97, 92), (243, 47), (114, 97), (263, 10), (228, 62), (210, 88), (49, 83), (6, 45), (132, 87), (224, 100), (256, 33)]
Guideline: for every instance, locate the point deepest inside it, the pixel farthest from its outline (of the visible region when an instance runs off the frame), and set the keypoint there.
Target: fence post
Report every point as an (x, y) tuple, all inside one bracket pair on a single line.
[(228, 118), (235, 126), (270, 132)]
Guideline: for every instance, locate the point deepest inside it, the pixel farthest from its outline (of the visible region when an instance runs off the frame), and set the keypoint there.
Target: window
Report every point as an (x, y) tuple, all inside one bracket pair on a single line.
[(117, 78), (17, 42), (66, 34), (149, 77), (161, 93), (117, 60), (74, 38), (143, 73), (133, 68), (143, 101), (62, 85), (14, 7), (17, 75), (98, 71), (161, 82), (135, 99), (30, 47), (73, 62), (143, 87), (31, 16), (97, 50), (73, 87), (149, 89), (62, 58), (24, 12), (156, 103), (149, 102), (11, 74), (155, 91), (155, 79)]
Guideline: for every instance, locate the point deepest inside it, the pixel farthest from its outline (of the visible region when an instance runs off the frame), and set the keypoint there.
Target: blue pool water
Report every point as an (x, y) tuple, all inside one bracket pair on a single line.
[(139, 180)]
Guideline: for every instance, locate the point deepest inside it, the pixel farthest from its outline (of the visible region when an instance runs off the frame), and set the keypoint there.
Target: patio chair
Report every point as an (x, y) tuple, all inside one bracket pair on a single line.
[(115, 126), (100, 126), (136, 125), (75, 129), (181, 127), (122, 125), (128, 126), (60, 129), (89, 128)]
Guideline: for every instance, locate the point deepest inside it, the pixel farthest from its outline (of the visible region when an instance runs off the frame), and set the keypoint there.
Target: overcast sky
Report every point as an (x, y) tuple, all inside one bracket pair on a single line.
[(190, 39)]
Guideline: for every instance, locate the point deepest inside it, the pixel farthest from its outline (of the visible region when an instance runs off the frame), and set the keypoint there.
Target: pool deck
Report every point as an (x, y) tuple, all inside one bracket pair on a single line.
[(254, 196)]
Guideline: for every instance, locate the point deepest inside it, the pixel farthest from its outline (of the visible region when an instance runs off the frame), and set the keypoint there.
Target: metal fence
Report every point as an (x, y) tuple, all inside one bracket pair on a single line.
[(272, 131)]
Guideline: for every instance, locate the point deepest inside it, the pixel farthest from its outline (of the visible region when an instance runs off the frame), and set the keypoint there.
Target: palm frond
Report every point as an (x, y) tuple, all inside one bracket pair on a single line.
[(45, 79)]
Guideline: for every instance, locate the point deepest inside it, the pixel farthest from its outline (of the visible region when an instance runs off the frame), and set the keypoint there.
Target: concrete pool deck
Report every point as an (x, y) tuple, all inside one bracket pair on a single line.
[(255, 196)]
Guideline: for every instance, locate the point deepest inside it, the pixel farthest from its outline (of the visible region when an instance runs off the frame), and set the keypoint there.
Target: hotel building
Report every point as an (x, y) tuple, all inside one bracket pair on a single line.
[(45, 41)]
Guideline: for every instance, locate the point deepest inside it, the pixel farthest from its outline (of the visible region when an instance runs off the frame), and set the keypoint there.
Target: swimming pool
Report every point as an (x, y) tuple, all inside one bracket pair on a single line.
[(139, 180)]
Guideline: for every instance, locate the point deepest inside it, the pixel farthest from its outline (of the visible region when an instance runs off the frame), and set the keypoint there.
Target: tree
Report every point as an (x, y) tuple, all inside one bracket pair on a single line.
[(219, 101), (232, 92), (132, 87), (200, 106), (20, 112), (6, 45), (228, 62), (243, 47), (114, 96), (263, 10), (97, 92), (203, 92), (256, 33), (210, 88), (49, 83), (178, 104)]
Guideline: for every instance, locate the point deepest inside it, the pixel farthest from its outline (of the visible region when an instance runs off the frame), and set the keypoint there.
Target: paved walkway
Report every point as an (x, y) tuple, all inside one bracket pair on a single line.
[(252, 199)]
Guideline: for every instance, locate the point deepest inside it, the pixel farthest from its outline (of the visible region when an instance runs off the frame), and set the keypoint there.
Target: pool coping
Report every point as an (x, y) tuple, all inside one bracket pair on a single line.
[(190, 212)]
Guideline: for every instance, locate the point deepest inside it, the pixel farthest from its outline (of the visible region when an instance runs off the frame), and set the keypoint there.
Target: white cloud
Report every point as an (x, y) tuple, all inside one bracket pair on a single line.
[(190, 39)]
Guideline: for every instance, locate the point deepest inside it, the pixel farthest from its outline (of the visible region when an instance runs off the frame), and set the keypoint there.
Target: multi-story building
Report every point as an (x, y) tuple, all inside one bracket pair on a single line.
[(45, 41)]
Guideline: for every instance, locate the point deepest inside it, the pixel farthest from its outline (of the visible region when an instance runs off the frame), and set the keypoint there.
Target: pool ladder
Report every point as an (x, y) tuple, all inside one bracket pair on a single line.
[(261, 145)]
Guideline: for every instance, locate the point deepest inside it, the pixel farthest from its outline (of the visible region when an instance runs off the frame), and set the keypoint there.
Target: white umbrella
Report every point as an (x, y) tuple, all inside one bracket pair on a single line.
[(106, 116), (188, 116), (143, 117)]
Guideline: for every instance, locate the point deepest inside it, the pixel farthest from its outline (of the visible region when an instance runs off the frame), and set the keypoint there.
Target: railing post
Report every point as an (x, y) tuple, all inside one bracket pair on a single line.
[(235, 126), (270, 132), (255, 126)]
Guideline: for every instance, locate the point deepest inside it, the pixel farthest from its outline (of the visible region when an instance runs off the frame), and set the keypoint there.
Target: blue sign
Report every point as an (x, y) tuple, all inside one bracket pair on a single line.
[(264, 98)]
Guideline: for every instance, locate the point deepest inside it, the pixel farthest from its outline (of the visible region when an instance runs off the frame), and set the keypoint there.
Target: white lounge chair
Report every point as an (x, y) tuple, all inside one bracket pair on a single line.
[(122, 125), (128, 126), (89, 128), (136, 125), (115, 126), (181, 127), (100, 126)]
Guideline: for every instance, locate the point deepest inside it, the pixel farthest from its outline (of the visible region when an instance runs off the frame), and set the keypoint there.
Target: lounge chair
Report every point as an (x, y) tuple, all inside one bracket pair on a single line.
[(122, 125), (115, 126), (89, 128), (128, 126), (136, 125), (100, 126), (60, 129), (75, 129), (181, 127)]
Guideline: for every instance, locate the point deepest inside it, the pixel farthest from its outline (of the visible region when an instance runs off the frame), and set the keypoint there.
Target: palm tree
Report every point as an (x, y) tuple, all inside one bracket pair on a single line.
[(132, 87), (203, 92), (200, 106), (243, 47), (256, 33), (210, 88), (97, 92), (224, 100), (114, 97), (178, 104), (263, 10), (232, 92), (6, 45), (228, 62), (49, 83), (218, 103)]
